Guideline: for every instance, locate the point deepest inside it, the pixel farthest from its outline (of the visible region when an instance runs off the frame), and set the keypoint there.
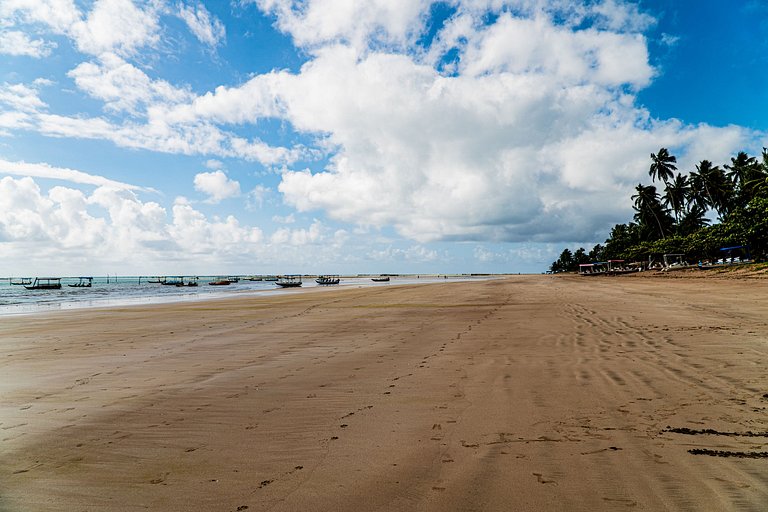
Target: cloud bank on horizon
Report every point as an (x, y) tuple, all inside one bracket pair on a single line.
[(473, 133)]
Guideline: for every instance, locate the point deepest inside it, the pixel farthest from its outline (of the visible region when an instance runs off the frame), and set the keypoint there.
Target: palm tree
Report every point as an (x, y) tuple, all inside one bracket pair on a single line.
[(741, 168), (757, 181), (662, 165), (711, 188), (622, 237), (580, 256), (676, 195), (758, 186), (743, 171), (693, 220), (647, 205)]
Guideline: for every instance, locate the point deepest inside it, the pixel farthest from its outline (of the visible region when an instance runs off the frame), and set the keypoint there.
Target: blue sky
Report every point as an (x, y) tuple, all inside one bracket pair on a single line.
[(328, 136), (718, 59)]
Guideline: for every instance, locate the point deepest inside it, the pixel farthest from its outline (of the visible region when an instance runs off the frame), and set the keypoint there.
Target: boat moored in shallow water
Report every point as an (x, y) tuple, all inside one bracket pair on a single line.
[(327, 280), (289, 281), (84, 282), (45, 283)]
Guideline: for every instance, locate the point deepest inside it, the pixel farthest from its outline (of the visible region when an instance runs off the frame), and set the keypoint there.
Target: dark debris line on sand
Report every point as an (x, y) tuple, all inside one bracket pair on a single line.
[(724, 453), (709, 431), (720, 453)]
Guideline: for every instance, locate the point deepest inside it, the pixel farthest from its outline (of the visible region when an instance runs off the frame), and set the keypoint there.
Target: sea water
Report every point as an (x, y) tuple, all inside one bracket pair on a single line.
[(131, 290)]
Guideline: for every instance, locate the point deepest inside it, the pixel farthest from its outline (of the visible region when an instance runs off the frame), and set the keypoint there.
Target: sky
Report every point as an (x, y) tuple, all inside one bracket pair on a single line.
[(354, 136)]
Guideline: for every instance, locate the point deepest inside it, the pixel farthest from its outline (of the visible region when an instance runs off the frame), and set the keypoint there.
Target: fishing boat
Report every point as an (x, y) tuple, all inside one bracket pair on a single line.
[(45, 283), (20, 281), (192, 281), (84, 282), (289, 281), (380, 279), (326, 280), (220, 282)]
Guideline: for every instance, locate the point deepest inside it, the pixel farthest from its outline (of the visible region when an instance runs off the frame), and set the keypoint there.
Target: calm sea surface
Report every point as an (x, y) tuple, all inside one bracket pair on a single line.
[(130, 290)]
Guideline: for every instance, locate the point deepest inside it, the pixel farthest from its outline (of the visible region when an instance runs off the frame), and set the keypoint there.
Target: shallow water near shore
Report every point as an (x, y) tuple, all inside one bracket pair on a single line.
[(134, 290)]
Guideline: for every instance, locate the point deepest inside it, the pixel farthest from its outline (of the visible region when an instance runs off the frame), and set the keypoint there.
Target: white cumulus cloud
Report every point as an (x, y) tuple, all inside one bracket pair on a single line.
[(14, 42), (351, 21), (116, 26), (216, 185), (205, 27), (44, 170), (123, 86)]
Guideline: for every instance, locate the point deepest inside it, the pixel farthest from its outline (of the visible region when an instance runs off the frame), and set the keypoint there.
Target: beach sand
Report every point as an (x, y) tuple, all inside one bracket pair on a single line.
[(529, 393)]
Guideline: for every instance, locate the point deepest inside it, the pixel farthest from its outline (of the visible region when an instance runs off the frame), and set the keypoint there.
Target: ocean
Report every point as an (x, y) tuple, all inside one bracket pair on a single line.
[(133, 290)]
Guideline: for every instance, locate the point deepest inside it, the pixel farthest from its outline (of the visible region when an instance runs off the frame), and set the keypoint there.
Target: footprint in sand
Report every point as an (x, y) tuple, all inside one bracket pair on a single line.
[(609, 449), (14, 426), (540, 478), (623, 501), (160, 480)]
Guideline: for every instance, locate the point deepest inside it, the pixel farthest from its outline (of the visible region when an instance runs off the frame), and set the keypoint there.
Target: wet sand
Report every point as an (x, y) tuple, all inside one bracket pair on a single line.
[(535, 393)]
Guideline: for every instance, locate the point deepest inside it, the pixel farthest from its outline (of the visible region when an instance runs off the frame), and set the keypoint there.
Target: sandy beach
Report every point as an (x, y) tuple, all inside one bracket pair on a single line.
[(529, 393)]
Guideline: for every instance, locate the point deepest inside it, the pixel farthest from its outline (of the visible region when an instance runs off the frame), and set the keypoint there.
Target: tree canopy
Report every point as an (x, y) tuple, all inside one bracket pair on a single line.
[(675, 219)]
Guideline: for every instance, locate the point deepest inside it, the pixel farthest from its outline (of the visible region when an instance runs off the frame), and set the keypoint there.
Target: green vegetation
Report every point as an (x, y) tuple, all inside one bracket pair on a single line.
[(674, 220)]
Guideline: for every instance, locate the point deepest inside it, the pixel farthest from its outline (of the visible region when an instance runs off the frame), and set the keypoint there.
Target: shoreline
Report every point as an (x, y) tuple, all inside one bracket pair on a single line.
[(532, 392), (31, 308)]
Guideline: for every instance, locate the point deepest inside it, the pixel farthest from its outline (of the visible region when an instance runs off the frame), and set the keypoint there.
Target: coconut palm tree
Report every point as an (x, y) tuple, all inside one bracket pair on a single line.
[(756, 180), (676, 195), (743, 172), (741, 168), (648, 206), (711, 188), (693, 220), (662, 165)]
